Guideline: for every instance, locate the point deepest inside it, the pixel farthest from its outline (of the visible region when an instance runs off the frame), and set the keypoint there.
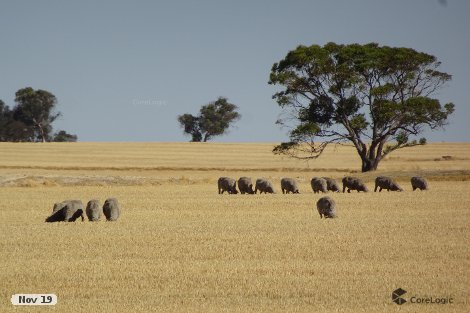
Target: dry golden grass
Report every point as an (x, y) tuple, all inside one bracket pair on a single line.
[(181, 247)]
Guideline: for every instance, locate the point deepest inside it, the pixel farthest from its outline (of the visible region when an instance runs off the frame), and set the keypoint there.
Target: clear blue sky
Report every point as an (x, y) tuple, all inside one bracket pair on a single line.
[(124, 70)]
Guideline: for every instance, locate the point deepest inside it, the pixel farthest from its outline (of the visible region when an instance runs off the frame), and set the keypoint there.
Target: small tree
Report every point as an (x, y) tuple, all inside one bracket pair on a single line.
[(371, 96), (35, 109), (214, 119), (63, 136)]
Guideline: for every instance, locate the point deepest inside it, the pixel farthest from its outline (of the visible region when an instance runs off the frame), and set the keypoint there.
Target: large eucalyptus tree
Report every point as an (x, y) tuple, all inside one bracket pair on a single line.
[(375, 97)]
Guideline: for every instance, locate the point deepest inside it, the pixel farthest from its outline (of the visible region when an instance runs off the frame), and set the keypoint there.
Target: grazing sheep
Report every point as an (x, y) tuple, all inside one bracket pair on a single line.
[(319, 184), (289, 185), (227, 184), (245, 185), (326, 207), (111, 209), (93, 210), (419, 183), (383, 182), (58, 206), (66, 211), (263, 186), (353, 183), (331, 184)]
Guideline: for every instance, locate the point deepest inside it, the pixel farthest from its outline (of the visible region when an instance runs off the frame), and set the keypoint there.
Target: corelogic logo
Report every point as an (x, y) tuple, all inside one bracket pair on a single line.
[(397, 296)]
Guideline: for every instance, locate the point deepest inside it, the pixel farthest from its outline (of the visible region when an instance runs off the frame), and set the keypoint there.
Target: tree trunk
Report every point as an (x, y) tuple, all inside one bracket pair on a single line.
[(43, 136), (206, 137), (369, 165)]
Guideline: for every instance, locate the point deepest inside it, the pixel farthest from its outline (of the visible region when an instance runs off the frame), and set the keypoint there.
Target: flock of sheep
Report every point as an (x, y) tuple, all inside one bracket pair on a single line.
[(71, 210), (326, 206)]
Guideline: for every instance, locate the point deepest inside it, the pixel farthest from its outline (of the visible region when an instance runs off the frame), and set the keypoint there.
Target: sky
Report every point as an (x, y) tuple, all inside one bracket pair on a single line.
[(124, 70)]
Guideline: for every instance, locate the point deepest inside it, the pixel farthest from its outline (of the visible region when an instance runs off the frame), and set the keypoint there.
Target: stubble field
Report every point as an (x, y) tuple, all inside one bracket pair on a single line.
[(181, 247)]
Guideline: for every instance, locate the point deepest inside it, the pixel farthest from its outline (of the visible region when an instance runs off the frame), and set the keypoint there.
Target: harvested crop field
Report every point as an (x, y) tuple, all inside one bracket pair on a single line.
[(179, 246)]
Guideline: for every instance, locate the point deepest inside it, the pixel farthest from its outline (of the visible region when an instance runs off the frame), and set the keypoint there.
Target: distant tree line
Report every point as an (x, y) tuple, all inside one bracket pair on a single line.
[(30, 120)]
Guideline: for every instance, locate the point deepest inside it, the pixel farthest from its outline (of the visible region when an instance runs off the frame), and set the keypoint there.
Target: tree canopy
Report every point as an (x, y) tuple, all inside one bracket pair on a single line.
[(63, 136), (31, 118), (372, 96), (214, 119)]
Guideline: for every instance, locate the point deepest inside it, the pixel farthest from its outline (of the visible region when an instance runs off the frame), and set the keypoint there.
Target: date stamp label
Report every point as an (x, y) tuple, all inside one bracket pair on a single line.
[(34, 299)]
